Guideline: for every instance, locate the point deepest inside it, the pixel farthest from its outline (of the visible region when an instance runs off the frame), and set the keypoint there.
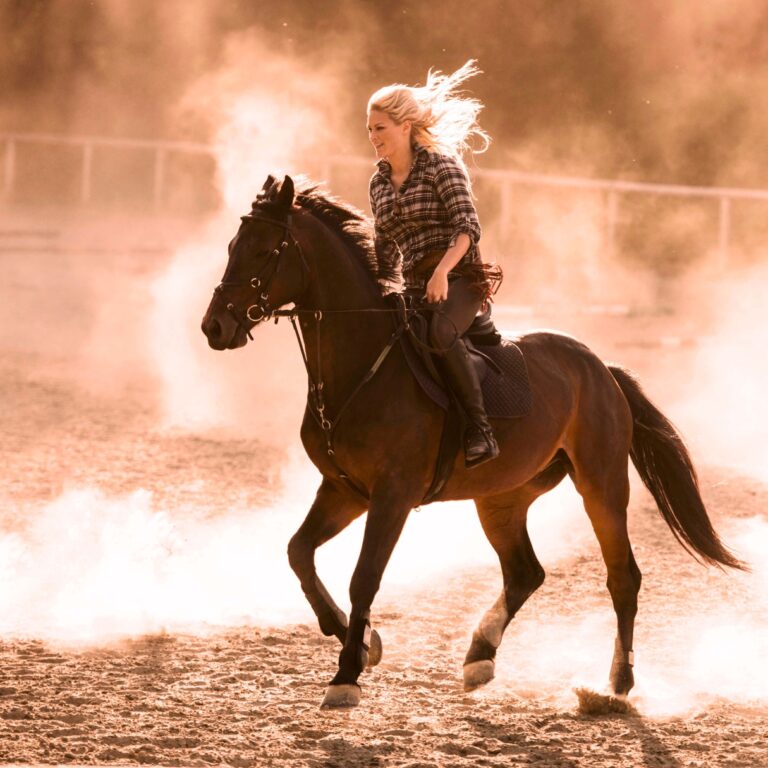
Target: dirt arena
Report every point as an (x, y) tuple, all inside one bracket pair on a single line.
[(209, 689)]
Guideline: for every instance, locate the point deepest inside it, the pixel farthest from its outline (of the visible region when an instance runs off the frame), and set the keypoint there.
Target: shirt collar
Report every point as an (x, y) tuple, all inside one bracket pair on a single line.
[(420, 156)]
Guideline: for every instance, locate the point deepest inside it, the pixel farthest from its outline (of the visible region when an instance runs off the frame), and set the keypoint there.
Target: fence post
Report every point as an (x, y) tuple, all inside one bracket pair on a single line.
[(724, 232), (9, 170), (85, 181), (159, 179)]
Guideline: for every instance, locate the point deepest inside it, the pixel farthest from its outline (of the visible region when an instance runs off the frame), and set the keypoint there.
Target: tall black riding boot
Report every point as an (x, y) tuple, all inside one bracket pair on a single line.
[(479, 443)]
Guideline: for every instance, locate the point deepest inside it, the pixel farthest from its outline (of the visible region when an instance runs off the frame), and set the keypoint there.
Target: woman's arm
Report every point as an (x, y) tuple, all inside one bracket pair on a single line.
[(437, 287), (452, 187)]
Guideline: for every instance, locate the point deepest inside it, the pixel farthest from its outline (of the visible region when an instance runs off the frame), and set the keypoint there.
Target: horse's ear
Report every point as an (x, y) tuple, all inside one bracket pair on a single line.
[(268, 183), (286, 193), (268, 191)]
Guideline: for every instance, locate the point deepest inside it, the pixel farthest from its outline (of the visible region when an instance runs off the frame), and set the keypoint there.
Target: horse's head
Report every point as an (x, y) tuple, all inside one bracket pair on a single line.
[(265, 271)]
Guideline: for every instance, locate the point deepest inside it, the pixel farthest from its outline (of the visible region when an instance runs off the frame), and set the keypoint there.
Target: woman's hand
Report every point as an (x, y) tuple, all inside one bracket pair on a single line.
[(437, 287)]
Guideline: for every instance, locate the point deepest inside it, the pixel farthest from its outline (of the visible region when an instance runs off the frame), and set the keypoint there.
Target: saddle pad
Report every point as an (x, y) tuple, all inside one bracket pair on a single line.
[(506, 395)]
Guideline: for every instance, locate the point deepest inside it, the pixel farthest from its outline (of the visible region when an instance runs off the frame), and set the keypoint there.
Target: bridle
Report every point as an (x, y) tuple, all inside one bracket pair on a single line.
[(261, 308)]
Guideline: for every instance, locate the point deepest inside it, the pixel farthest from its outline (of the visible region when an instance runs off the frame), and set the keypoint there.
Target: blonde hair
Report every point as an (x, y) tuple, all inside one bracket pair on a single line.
[(443, 118)]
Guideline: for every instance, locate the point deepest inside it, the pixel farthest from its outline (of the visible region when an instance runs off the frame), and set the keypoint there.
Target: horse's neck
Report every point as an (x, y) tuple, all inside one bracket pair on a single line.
[(342, 345), (339, 280)]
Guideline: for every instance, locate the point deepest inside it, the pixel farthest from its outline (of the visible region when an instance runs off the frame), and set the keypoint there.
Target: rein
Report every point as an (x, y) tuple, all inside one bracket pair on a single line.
[(317, 386)]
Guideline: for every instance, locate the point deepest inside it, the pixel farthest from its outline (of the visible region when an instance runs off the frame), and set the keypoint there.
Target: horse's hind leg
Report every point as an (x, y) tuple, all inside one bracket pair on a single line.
[(333, 510), (504, 521), (603, 484)]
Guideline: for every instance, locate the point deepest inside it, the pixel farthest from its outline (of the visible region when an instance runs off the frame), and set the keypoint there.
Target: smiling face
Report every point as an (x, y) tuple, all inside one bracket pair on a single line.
[(388, 137)]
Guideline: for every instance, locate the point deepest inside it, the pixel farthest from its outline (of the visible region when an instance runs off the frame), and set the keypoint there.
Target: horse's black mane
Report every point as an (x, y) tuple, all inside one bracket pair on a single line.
[(349, 222), (354, 227)]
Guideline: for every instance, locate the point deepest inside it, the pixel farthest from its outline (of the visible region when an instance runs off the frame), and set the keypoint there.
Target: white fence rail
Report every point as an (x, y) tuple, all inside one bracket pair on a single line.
[(506, 179), (87, 144)]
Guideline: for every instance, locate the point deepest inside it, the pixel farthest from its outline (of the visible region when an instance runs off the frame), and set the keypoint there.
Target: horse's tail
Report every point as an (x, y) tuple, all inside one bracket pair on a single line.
[(665, 466)]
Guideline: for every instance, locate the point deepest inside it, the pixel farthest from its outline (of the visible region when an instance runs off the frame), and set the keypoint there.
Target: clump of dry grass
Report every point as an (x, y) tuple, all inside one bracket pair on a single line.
[(593, 703)]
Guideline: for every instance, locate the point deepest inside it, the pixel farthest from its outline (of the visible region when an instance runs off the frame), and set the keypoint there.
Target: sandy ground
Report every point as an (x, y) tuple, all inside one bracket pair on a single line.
[(246, 696)]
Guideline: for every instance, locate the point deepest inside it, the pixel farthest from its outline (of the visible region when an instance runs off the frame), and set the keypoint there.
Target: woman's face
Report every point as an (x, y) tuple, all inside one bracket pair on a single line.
[(388, 138)]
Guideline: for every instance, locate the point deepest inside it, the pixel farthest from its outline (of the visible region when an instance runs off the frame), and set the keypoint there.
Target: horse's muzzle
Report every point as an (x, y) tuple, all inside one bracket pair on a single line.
[(223, 335)]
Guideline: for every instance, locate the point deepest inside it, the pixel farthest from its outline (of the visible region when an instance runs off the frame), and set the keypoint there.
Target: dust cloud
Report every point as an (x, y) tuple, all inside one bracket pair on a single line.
[(89, 567), (725, 409)]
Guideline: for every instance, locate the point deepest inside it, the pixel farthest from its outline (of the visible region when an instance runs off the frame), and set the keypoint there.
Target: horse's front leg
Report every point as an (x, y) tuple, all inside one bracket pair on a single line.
[(387, 514), (333, 510)]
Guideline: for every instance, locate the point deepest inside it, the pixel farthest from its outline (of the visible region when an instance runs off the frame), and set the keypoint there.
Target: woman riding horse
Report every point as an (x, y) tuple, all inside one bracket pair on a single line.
[(426, 226)]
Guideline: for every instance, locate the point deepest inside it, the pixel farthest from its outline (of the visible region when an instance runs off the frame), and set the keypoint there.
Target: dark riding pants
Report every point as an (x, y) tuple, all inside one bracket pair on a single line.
[(454, 315)]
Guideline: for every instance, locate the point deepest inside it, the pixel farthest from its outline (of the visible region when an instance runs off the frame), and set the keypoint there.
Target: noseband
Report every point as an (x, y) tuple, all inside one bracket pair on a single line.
[(261, 308)]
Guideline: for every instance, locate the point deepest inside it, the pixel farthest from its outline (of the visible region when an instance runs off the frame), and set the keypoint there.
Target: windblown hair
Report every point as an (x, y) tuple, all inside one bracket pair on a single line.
[(444, 119)]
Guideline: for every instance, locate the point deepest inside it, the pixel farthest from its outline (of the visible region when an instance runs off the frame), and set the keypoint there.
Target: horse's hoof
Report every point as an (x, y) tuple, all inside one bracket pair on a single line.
[(477, 674), (622, 679), (338, 696), (624, 697), (375, 650)]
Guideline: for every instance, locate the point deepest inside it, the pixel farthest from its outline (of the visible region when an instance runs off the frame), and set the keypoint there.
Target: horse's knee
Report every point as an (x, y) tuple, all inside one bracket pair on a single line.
[(534, 579), (299, 554), (523, 579), (516, 594), (536, 576)]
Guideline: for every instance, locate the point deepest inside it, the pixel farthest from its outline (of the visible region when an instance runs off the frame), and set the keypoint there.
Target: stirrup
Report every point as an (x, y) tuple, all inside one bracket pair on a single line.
[(490, 452)]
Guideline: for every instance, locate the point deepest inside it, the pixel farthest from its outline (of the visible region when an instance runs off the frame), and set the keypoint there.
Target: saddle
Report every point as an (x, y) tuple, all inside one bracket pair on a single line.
[(501, 370)]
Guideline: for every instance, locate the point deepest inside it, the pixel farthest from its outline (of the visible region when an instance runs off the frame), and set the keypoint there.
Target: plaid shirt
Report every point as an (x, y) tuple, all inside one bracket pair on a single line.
[(429, 211)]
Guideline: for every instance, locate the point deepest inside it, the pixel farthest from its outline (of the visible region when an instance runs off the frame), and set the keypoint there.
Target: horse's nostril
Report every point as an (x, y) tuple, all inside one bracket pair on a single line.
[(214, 329)]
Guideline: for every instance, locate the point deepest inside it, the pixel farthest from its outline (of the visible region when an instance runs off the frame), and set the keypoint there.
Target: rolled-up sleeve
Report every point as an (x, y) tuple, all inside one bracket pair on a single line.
[(452, 187)]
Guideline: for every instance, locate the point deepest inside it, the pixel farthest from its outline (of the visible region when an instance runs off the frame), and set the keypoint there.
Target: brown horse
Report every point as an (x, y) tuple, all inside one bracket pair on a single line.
[(374, 434)]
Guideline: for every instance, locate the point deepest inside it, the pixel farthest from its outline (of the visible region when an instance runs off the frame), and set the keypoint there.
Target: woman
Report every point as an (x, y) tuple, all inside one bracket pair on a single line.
[(426, 226)]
